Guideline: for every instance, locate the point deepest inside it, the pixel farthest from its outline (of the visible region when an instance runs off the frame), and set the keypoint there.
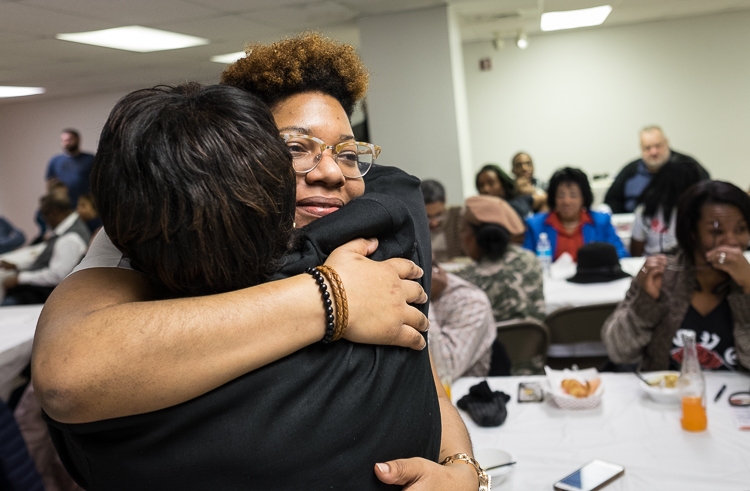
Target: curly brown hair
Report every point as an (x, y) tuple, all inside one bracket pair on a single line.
[(305, 63)]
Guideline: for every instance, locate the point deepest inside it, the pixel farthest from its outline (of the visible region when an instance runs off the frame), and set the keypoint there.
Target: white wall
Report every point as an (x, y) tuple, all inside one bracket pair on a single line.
[(30, 136), (580, 97), (414, 103)]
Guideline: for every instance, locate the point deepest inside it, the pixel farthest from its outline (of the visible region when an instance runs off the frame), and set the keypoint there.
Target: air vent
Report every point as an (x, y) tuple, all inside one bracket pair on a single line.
[(482, 18)]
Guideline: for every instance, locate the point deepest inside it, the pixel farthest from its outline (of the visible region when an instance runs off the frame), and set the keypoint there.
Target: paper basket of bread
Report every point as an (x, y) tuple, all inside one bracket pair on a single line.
[(575, 389)]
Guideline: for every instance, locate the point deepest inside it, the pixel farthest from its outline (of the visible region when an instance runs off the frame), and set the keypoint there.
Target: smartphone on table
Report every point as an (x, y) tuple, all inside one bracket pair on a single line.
[(594, 475)]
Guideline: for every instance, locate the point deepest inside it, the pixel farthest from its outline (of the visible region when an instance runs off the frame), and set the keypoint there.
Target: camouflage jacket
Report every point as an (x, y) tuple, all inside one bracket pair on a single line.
[(513, 284)]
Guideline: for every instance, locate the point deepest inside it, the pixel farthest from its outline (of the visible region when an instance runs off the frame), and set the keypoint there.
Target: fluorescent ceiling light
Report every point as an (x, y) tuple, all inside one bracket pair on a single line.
[(134, 38), (6, 91), (229, 57), (553, 21)]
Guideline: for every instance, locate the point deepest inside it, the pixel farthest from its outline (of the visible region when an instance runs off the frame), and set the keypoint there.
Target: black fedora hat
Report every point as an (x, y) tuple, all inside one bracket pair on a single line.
[(598, 263)]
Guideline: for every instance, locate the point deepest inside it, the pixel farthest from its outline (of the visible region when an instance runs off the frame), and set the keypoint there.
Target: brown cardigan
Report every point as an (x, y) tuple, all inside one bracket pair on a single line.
[(642, 328)]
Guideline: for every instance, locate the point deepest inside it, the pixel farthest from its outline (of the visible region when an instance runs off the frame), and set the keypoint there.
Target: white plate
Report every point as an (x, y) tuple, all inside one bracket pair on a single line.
[(490, 457), (660, 394)]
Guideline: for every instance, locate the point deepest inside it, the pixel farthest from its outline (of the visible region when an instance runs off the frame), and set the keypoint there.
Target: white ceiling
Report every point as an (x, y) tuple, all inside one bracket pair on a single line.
[(31, 56)]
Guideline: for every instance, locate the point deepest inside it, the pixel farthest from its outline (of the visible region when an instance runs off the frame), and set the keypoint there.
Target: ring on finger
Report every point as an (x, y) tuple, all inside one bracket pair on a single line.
[(722, 257)]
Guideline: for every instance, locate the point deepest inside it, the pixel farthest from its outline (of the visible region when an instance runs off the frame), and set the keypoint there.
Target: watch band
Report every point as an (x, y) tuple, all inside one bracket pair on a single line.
[(485, 481)]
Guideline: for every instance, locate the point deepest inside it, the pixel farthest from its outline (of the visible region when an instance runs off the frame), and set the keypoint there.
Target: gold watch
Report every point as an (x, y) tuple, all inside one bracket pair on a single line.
[(485, 481)]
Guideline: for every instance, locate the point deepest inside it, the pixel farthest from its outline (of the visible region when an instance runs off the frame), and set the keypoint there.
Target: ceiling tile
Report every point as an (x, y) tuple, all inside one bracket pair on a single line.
[(11, 37), (563, 5), (226, 28), (239, 6), (56, 49), (24, 19), (310, 16), (127, 12), (388, 6)]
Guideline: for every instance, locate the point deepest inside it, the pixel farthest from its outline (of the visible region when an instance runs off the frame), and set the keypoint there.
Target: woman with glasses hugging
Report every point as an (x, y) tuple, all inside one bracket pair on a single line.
[(148, 386)]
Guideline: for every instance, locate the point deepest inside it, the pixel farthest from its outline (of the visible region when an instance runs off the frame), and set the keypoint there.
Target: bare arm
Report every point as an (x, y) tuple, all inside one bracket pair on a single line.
[(103, 349), (455, 437)]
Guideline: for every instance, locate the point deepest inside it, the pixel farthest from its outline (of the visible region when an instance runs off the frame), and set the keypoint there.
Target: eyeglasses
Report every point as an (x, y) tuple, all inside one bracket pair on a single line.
[(739, 399), (353, 158)]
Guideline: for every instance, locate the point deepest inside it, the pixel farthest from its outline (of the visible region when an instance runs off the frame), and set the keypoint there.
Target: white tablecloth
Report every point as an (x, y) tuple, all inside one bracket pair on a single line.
[(24, 254), (17, 326), (628, 429), (558, 292)]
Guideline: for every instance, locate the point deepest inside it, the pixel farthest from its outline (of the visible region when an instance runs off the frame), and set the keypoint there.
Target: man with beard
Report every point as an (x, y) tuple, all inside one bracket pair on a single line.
[(624, 193), (72, 167)]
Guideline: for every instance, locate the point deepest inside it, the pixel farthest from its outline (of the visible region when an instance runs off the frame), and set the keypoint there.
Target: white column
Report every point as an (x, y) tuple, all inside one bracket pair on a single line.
[(417, 106)]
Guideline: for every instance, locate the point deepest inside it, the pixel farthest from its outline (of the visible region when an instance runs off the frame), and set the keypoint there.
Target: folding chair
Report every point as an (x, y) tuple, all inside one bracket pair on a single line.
[(575, 336), (526, 342)]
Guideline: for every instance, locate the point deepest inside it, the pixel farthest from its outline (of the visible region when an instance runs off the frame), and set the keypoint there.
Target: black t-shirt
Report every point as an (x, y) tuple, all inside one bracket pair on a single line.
[(318, 419), (714, 338)]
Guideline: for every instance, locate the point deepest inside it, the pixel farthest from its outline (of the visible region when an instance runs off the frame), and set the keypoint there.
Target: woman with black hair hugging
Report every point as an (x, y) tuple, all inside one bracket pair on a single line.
[(704, 288), (233, 390), (510, 275)]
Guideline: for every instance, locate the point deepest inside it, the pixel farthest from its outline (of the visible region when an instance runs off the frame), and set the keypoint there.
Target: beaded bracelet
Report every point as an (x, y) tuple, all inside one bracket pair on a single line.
[(327, 304)]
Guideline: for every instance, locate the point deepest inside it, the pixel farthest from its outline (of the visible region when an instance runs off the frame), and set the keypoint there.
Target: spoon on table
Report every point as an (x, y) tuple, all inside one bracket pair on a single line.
[(637, 374), (499, 466)]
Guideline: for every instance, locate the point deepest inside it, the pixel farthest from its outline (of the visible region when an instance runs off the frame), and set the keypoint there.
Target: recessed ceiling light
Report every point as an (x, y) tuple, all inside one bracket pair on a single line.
[(6, 91), (229, 57), (134, 38), (570, 19)]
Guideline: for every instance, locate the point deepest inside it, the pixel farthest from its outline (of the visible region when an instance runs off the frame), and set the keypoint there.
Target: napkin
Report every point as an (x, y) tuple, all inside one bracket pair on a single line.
[(486, 408), (563, 268)]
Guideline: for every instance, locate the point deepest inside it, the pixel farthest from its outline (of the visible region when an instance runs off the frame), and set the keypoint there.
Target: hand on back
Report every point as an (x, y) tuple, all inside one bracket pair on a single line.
[(378, 294)]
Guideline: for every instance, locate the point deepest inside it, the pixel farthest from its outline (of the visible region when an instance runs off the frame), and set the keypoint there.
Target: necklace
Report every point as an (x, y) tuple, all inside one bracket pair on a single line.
[(570, 224)]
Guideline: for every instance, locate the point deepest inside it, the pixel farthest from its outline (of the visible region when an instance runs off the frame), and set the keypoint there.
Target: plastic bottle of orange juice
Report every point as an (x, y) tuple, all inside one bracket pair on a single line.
[(692, 386)]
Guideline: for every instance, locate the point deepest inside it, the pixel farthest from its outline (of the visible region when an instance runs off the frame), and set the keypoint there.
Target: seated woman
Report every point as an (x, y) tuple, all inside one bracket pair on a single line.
[(510, 275), (493, 181), (570, 223), (242, 370), (705, 288), (86, 209), (653, 229)]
